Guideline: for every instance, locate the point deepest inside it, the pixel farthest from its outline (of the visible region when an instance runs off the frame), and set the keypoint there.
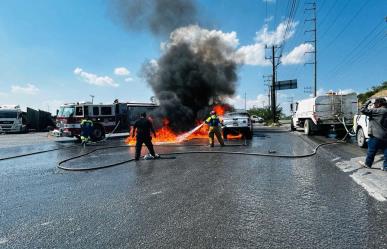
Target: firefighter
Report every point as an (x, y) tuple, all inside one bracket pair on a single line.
[(86, 130), (144, 127), (214, 123)]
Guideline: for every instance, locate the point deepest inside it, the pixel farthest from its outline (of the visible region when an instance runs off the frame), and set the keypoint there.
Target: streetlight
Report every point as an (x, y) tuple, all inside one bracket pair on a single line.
[(92, 98)]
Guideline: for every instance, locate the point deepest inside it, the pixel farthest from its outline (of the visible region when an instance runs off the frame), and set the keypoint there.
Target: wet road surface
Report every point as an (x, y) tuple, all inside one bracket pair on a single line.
[(193, 201)]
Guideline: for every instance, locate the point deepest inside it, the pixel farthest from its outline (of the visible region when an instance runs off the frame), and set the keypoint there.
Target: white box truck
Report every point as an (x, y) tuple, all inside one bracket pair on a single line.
[(324, 112)]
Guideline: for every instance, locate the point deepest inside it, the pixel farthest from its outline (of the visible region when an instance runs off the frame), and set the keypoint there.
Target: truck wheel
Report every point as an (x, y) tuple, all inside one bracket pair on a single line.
[(292, 127), (360, 138), (308, 127), (98, 133)]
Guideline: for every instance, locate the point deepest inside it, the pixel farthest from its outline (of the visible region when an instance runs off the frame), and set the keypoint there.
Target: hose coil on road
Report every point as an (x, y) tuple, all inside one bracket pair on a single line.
[(186, 153)]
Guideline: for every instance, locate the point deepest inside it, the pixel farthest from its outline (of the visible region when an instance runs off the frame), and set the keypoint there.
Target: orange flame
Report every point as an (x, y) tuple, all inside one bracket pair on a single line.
[(166, 135)]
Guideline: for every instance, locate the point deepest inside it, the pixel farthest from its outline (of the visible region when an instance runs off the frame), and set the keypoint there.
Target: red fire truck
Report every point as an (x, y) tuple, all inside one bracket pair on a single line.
[(105, 117)]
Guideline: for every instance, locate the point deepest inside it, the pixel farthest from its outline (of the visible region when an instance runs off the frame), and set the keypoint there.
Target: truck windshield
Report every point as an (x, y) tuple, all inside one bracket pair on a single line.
[(8, 114), (66, 111)]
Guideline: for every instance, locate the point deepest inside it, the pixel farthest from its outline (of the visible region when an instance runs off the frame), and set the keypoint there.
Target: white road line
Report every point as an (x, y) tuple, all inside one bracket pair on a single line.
[(3, 241), (373, 191), (336, 159)]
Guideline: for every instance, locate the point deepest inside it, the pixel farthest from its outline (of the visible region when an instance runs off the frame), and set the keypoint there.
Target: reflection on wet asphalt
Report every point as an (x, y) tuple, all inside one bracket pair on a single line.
[(193, 201)]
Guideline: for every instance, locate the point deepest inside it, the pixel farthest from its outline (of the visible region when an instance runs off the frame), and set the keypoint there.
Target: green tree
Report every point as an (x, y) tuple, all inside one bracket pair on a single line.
[(266, 113)]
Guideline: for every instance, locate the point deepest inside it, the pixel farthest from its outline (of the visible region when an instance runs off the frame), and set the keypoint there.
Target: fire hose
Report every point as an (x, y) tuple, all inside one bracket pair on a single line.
[(167, 155)]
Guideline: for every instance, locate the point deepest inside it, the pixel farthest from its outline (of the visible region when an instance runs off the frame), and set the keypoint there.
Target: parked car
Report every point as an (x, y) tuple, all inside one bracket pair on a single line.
[(238, 122), (256, 119)]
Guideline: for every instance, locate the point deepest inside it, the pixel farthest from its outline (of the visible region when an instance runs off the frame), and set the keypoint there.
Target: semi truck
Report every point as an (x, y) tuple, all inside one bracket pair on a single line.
[(105, 117), (14, 120), (11, 119), (321, 113)]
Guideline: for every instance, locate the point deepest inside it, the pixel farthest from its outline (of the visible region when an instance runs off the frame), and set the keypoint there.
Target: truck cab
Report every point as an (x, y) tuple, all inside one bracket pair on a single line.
[(11, 119)]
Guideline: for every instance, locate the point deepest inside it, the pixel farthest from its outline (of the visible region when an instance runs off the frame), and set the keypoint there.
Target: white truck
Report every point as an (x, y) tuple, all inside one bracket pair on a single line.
[(11, 119), (238, 122), (324, 112), (360, 127)]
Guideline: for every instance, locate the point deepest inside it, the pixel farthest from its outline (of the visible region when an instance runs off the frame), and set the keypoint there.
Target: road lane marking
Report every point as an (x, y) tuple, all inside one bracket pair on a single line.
[(3, 241), (156, 193), (336, 159), (369, 187)]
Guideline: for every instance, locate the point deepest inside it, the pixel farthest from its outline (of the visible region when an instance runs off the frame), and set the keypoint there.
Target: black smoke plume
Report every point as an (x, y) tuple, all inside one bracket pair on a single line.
[(190, 76), (159, 16), (196, 68)]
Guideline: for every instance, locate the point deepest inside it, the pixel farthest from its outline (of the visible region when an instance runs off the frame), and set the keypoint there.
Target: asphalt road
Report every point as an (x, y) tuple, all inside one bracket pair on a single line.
[(193, 201)]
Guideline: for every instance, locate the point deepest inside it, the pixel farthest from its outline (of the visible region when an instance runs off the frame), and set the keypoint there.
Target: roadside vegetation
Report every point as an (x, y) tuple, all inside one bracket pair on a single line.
[(380, 90), (266, 114)]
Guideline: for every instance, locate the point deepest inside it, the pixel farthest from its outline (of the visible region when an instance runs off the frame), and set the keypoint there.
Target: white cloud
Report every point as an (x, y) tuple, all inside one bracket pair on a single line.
[(251, 55), (298, 55), (128, 79), (269, 19), (322, 91), (121, 71), (239, 102), (277, 36), (29, 89), (93, 79)]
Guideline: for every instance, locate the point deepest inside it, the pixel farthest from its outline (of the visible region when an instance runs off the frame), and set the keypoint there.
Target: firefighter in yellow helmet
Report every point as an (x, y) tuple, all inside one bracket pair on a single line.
[(86, 130), (214, 124)]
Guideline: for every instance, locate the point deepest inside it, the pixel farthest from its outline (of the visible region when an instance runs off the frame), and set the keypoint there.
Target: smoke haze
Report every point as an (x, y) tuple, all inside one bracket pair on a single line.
[(158, 16)]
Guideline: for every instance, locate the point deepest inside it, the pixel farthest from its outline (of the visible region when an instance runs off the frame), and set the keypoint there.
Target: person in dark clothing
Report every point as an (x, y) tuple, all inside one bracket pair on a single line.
[(144, 127), (377, 130)]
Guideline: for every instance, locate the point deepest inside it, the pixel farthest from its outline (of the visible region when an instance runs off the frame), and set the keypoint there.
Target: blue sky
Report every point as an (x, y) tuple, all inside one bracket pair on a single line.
[(56, 51)]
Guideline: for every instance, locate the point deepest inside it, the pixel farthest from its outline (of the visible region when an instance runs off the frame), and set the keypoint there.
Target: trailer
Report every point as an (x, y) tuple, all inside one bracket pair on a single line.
[(14, 120), (321, 113)]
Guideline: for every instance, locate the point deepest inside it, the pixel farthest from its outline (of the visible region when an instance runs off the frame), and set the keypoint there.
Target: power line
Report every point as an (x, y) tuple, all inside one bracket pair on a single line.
[(373, 43), (329, 11), (347, 25), (336, 18), (352, 53)]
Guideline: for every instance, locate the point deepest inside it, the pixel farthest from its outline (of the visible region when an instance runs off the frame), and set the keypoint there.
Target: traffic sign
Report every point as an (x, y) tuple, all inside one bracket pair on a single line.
[(286, 84)]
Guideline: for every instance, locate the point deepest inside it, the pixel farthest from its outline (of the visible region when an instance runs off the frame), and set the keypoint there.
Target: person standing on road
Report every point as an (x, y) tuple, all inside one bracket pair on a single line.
[(144, 127), (213, 122), (86, 130), (377, 131)]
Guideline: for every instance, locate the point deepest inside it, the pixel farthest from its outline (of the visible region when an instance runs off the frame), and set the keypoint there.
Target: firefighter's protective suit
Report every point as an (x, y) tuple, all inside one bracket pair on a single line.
[(214, 129), (86, 130)]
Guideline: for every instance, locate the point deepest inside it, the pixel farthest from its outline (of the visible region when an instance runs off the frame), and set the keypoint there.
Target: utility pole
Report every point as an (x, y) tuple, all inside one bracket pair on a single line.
[(273, 80), (312, 7), (267, 80), (245, 102)]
